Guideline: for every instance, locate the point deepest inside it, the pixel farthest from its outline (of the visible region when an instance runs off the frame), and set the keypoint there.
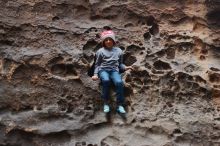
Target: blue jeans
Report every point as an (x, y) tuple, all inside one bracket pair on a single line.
[(106, 77)]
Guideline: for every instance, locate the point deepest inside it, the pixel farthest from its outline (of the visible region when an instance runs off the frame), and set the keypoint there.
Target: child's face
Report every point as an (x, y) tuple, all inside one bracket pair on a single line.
[(108, 42)]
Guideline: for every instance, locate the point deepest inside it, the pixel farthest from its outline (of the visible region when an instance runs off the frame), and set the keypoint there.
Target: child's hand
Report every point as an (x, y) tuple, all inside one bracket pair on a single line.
[(128, 67), (95, 77)]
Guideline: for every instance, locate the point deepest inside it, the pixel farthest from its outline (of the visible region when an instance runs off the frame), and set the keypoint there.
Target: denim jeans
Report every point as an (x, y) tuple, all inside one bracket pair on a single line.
[(106, 77)]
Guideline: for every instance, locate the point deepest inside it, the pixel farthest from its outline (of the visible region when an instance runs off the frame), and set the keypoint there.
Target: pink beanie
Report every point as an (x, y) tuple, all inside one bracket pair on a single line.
[(107, 34)]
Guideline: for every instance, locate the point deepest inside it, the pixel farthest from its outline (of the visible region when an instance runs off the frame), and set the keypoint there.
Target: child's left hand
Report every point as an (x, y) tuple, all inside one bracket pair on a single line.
[(128, 67)]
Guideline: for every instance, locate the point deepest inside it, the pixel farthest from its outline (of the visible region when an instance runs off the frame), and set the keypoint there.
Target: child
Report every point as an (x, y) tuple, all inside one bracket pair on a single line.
[(107, 66)]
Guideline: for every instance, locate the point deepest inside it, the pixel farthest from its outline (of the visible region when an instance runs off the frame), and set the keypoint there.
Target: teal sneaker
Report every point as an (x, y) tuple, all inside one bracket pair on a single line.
[(121, 109), (106, 108)]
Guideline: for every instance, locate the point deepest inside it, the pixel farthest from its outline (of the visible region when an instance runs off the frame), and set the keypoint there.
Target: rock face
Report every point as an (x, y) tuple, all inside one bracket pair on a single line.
[(172, 96)]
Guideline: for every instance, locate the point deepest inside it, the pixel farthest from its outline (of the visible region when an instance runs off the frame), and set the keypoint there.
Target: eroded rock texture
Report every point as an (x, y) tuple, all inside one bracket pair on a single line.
[(172, 96)]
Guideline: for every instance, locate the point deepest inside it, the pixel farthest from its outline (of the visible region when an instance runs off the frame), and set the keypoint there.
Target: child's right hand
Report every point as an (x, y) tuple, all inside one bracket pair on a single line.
[(95, 77)]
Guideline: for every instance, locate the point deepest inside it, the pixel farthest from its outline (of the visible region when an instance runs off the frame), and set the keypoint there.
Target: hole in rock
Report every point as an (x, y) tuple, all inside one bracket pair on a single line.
[(55, 60), (140, 73), (154, 29), (138, 81), (134, 49), (214, 77), (55, 18), (183, 76), (122, 48), (91, 29), (191, 67), (147, 36), (177, 131), (150, 20), (168, 94), (214, 69), (147, 65), (161, 53), (128, 25), (169, 104), (63, 70), (214, 17), (89, 58), (107, 28), (28, 71), (97, 35), (90, 45), (204, 51), (6, 42), (199, 79), (128, 79), (160, 65), (170, 53), (202, 57), (129, 59)]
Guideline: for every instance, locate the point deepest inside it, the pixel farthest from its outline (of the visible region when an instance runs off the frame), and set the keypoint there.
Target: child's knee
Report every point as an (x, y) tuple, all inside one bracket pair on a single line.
[(105, 81), (119, 83)]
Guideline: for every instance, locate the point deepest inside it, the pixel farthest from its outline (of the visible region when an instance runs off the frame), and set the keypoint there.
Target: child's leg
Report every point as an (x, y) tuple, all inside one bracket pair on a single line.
[(105, 80), (117, 79)]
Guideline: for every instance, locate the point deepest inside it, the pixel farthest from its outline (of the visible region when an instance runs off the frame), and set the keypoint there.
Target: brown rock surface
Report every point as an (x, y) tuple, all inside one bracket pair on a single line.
[(172, 96)]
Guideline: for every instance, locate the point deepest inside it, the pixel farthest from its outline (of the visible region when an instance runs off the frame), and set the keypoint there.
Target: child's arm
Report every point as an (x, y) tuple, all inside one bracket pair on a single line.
[(97, 63), (122, 66)]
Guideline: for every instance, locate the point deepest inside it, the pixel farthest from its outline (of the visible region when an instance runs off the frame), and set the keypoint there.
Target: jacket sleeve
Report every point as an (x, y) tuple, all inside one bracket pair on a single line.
[(97, 62), (121, 65)]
